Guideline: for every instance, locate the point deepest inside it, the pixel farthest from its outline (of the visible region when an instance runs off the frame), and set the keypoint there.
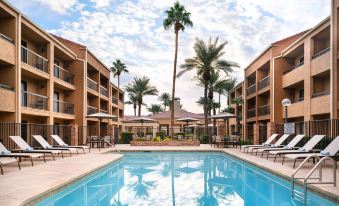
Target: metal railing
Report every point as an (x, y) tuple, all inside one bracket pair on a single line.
[(251, 113), (114, 100), (33, 59), (321, 53), (293, 68), (35, 101), (264, 110), (2, 36), (319, 94), (251, 89), (263, 83), (63, 107), (63, 74), (92, 84), (91, 110), (103, 91)]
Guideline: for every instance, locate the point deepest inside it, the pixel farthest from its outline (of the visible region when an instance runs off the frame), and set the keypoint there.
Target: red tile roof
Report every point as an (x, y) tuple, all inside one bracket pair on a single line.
[(167, 115), (69, 41)]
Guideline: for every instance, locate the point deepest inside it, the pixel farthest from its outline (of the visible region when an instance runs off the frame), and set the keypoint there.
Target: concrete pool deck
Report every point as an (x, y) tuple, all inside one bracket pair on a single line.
[(21, 186)]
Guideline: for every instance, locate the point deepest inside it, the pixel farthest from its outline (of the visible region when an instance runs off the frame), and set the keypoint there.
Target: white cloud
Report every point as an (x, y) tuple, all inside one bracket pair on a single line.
[(132, 31), (60, 6)]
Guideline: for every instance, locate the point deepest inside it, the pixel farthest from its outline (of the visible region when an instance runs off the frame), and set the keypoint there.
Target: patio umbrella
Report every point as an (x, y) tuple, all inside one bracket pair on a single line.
[(187, 120), (100, 116), (225, 116), (142, 120)]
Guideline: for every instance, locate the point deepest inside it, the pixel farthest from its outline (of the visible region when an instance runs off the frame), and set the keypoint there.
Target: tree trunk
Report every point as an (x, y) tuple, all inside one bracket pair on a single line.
[(135, 109), (139, 112), (219, 103), (119, 84), (174, 78), (214, 121), (206, 112)]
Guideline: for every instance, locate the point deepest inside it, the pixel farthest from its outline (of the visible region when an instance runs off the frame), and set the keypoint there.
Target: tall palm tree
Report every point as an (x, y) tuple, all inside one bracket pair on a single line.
[(117, 69), (224, 86), (205, 62), (179, 18), (237, 102), (133, 100), (166, 99), (141, 87), (155, 108)]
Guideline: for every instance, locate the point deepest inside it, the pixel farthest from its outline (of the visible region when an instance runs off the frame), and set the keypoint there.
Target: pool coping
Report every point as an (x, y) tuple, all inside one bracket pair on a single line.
[(38, 197)]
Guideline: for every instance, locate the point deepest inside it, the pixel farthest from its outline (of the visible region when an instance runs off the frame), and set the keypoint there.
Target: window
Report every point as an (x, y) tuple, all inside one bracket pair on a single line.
[(301, 94), (56, 69)]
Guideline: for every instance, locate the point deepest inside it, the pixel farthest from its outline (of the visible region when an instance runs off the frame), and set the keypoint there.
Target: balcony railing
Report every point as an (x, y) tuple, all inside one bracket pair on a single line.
[(92, 84), (33, 59), (263, 83), (6, 38), (293, 68), (103, 111), (91, 110), (251, 113), (35, 101), (103, 91), (321, 53), (264, 110), (63, 74), (63, 107), (114, 100), (251, 89), (319, 94)]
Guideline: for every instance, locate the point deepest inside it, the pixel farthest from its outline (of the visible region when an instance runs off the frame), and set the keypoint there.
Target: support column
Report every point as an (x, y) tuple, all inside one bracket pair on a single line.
[(75, 135), (271, 129), (256, 133)]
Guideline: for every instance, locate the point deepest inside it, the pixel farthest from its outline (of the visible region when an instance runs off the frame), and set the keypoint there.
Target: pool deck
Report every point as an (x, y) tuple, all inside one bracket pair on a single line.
[(21, 186)]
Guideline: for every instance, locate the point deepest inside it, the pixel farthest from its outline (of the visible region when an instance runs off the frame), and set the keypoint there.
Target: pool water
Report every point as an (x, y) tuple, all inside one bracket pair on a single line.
[(179, 178)]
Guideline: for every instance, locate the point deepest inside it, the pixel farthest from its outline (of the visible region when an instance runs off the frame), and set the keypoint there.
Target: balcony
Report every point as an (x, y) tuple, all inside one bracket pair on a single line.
[(63, 107), (251, 113), (63, 74), (319, 94), (263, 83), (114, 100), (251, 90), (293, 68), (320, 62), (103, 111), (91, 110), (7, 96), (34, 60), (92, 84), (103, 91), (264, 110), (320, 103), (34, 101), (294, 76), (7, 49), (296, 109)]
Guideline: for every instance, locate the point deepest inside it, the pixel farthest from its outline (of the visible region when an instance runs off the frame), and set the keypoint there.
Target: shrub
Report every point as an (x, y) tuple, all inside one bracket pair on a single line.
[(140, 139), (204, 139), (126, 137), (246, 142), (149, 133), (167, 139), (160, 134), (157, 139), (179, 133)]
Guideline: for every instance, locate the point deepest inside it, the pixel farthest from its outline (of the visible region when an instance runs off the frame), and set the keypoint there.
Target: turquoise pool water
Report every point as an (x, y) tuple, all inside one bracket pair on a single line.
[(179, 179)]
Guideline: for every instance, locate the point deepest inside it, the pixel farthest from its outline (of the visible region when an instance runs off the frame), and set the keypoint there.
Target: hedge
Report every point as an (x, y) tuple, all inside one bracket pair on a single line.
[(126, 137)]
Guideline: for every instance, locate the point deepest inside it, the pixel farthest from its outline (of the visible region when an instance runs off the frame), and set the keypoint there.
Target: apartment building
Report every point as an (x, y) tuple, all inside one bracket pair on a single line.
[(48, 80), (236, 93)]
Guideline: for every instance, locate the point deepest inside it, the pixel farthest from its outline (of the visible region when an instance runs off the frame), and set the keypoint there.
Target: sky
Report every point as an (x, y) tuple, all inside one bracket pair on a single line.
[(131, 30)]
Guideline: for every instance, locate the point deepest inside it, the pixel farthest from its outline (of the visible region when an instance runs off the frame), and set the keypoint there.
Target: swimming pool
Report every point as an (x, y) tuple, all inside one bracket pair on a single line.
[(179, 178)]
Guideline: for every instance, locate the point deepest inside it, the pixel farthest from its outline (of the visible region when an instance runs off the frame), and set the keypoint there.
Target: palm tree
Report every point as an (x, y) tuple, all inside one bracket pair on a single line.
[(117, 69), (207, 61), (237, 102), (155, 108), (179, 18), (205, 103), (141, 87), (166, 99), (134, 101), (224, 86)]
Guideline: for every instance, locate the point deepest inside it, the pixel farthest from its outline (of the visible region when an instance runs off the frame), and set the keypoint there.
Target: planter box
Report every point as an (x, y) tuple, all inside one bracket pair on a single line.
[(166, 143)]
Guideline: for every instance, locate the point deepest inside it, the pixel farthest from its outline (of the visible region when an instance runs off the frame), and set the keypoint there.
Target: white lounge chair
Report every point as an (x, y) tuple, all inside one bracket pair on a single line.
[(268, 142), (305, 149), (330, 151), (28, 149), (4, 152), (45, 145), (289, 146), (62, 144), (275, 145), (7, 160)]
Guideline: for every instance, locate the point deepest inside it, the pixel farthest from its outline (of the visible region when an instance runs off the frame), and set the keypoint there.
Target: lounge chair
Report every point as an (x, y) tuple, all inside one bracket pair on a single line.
[(289, 146), (62, 144), (45, 145), (275, 145), (330, 151), (6, 153), (28, 149), (268, 142), (305, 149), (8, 160)]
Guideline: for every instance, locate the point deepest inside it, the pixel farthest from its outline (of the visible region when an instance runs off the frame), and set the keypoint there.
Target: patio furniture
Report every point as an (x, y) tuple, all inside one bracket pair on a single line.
[(289, 146), (62, 144), (6, 153), (330, 151), (28, 149), (7, 160), (219, 142), (45, 145), (268, 142), (234, 141), (275, 145)]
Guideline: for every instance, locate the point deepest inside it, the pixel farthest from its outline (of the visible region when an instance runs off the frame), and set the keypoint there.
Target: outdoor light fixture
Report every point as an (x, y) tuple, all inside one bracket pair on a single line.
[(286, 102)]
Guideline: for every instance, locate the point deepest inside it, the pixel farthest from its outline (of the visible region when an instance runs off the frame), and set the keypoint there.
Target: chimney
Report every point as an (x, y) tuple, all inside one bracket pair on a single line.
[(176, 106)]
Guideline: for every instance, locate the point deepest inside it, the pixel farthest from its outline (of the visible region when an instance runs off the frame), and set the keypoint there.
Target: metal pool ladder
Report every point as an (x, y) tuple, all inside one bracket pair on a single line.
[(302, 196)]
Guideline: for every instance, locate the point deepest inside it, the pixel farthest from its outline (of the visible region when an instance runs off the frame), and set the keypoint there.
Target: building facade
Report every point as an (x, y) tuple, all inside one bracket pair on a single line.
[(236, 93), (48, 80)]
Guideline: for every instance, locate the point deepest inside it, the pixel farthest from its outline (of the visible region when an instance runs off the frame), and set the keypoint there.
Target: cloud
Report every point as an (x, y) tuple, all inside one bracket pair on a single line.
[(132, 31)]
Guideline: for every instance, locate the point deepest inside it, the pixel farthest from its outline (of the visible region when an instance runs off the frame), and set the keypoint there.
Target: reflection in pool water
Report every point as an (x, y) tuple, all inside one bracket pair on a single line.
[(179, 179)]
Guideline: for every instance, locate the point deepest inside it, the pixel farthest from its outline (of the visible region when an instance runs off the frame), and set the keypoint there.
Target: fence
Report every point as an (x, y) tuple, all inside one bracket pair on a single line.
[(26, 130), (329, 128)]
